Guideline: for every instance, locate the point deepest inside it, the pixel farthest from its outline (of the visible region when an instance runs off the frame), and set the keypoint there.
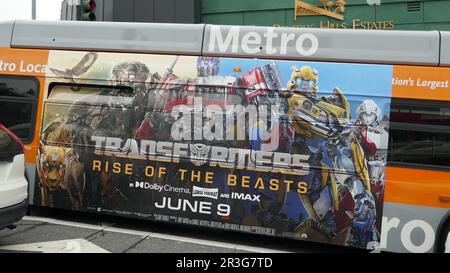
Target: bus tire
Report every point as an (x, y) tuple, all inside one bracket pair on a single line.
[(443, 239)]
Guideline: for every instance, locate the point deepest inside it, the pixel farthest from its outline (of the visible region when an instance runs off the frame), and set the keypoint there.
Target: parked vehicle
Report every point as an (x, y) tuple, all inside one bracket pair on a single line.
[(13, 181)]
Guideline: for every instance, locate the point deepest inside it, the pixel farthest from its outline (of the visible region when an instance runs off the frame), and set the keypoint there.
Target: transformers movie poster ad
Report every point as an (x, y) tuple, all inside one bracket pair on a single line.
[(283, 148)]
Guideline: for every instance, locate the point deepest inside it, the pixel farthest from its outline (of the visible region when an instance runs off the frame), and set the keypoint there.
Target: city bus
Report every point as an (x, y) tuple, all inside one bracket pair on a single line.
[(332, 136)]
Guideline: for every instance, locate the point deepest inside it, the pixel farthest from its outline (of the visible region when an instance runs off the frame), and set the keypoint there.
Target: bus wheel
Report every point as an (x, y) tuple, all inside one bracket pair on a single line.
[(447, 241), (444, 239)]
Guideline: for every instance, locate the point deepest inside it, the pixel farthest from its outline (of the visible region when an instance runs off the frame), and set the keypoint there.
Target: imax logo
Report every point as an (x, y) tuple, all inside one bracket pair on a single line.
[(223, 38), (243, 196)]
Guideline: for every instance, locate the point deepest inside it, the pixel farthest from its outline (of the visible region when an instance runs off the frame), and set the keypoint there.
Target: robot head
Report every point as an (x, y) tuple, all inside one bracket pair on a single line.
[(134, 74), (368, 113), (305, 80)]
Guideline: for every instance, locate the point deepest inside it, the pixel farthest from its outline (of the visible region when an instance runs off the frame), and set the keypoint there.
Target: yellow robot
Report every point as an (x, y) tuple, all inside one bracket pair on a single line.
[(303, 80), (324, 122)]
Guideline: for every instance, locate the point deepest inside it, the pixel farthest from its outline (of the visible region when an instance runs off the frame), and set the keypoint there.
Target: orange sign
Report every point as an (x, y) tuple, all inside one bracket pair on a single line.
[(23, 61), (416, 82)]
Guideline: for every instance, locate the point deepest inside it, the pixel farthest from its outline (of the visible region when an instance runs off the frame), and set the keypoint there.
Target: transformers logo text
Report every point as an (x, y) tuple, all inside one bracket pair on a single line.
[(200, 154)]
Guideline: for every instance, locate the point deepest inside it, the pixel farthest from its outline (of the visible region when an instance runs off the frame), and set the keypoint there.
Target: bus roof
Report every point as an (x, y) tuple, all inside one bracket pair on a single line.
[(366, 46)]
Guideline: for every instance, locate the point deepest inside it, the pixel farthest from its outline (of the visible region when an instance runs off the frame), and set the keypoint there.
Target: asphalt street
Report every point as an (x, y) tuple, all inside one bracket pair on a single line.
[(69, 232)]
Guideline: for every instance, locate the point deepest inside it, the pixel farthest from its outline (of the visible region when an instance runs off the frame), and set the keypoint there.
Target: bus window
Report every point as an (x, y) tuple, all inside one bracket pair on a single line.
[(18, 102), (80, 94), (85, 111), (420, 132)]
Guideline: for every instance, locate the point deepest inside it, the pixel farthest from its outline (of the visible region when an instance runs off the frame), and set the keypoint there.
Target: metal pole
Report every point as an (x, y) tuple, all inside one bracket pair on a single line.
[(33, 9)]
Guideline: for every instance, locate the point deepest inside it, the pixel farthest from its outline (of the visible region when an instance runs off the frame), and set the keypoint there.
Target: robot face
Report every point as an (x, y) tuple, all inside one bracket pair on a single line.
[(369, 112), (134, 74), (304, 85), (368, 118), (305, 79)]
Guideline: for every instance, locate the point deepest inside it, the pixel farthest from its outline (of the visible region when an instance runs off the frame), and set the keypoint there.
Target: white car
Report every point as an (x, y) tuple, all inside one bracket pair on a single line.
[(13, 181)]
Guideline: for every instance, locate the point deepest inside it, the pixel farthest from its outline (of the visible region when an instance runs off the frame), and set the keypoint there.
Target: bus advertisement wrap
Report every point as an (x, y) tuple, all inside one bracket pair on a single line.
[(283, 148)]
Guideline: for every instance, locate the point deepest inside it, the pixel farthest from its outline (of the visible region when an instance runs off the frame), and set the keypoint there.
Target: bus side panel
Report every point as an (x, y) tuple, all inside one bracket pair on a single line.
[(410, 228), (417, 196), (30, 63), (310, 168), (418, 187), (416, 202)]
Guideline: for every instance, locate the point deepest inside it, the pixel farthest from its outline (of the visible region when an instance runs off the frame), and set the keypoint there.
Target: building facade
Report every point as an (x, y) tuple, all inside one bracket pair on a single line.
[(350, 14), (345, 14), (147, 11)]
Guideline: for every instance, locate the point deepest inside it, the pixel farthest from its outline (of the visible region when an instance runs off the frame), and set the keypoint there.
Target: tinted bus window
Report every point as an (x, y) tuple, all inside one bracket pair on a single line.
[(18, 102), (82, 111), (420, 132)]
